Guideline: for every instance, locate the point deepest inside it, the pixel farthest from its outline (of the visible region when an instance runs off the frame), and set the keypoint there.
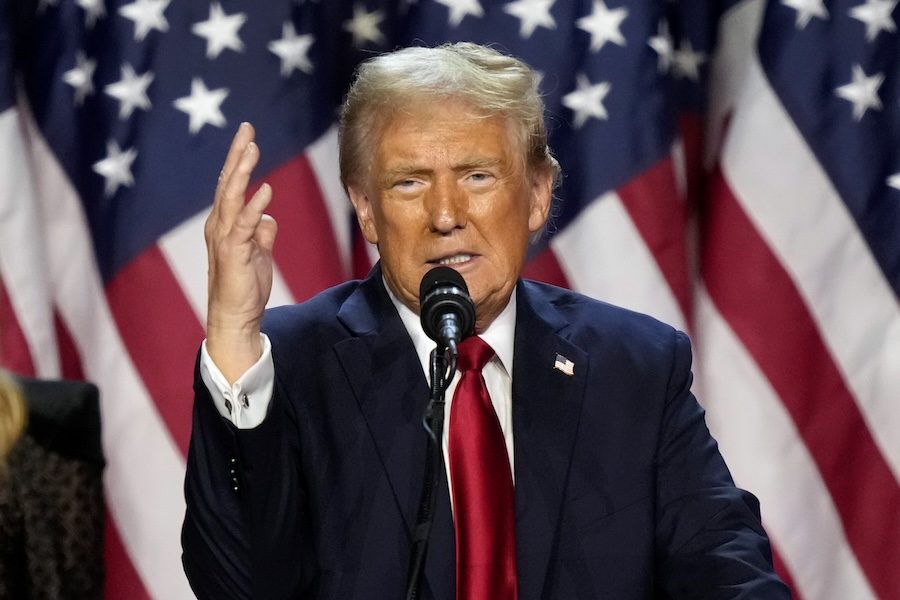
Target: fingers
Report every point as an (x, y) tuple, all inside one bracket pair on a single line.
[(235, 185), (227, 196), (232, 221), (242, 137), (265, 233), (250, 215)]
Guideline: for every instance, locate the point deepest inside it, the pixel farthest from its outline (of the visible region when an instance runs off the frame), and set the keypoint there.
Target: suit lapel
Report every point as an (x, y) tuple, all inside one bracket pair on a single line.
[(385, 373), (546, 408), (378, 360)]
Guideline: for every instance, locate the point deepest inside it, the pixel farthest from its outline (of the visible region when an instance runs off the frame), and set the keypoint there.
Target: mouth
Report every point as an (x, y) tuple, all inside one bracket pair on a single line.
[(453, 260)]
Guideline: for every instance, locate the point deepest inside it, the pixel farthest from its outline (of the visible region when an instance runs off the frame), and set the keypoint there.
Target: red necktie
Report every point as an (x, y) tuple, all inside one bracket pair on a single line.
[(482, 485)]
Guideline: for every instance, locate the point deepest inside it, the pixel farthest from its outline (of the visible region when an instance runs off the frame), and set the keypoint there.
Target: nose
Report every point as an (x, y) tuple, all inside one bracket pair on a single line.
[(447, 206)]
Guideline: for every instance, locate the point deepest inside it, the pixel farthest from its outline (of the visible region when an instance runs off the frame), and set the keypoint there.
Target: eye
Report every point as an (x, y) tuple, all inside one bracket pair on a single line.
[(407, 185), (480, 177)]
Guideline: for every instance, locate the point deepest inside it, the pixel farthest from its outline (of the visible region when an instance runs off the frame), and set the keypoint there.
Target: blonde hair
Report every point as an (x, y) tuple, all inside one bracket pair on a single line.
[(492, 82), (13, 416)]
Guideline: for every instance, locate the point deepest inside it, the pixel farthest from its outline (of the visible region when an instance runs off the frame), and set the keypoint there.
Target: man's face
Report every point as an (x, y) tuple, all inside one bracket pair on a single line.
[(448, 186)]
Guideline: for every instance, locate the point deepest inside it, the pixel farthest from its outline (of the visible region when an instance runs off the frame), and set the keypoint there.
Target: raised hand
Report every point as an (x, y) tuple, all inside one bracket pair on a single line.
[(239, 239)]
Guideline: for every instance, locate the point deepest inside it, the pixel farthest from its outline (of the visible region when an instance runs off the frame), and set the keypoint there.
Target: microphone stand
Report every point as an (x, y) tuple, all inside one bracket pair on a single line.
[(442, 371)]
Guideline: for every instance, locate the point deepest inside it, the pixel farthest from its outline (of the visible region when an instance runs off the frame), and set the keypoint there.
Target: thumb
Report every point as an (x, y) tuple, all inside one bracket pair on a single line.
[(266, 232)]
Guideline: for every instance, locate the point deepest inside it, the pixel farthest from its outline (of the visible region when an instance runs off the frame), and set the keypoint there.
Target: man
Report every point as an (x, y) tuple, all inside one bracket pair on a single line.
[(304, 472)]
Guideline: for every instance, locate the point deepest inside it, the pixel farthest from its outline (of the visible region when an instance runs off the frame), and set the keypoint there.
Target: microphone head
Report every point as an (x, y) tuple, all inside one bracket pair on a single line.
[(444, 290)]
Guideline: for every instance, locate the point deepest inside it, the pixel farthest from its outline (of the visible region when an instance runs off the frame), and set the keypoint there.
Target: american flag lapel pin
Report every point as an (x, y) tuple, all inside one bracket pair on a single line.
[(564, 365)]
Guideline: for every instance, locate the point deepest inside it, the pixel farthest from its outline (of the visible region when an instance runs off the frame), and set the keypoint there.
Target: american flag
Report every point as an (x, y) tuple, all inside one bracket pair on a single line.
[(732, 168)]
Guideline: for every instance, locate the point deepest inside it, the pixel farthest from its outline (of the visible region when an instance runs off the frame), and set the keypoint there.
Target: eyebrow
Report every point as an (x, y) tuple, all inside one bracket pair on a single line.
[(477, 163), (402, 171), (464, 165)]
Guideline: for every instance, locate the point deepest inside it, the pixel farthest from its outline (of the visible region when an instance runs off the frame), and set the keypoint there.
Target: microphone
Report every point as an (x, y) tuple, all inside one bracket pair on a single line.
[(448, 317), (447, 311)]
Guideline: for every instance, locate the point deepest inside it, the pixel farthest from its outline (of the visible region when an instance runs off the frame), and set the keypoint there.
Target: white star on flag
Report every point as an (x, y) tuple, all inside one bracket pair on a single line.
[(862, 92), (363, 26), (876, 14), (531, 14), (293, 50), (664, 46), (460, 8), (894, 181), (81, 77), (603, 25), (220, 31), (202, 105), (130, 91), (806, 10), (586, 100), (147, 15), (93, 10), (116, 167), (687, 61)]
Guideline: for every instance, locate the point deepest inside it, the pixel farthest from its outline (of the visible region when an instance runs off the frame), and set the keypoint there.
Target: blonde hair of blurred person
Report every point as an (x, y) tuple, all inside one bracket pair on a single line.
[(13, 417)]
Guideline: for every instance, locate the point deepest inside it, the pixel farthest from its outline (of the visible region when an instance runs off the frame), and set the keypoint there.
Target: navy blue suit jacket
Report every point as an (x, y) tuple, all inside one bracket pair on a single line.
[(620, 490)]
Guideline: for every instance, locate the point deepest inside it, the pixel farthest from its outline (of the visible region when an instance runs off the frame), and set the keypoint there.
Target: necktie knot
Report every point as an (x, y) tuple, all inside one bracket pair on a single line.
[(473, 354)]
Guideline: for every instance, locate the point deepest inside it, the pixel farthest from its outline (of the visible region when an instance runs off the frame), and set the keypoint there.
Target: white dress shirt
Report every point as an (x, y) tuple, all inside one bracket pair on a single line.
[(245, 403)]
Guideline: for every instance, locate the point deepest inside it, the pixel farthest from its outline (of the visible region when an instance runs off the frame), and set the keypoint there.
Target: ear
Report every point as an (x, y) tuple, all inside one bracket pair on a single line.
[(541, 199), (364, 213)]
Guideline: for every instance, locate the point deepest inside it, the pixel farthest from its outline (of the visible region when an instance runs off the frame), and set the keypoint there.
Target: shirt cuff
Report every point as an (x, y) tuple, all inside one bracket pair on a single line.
[(246, 402)]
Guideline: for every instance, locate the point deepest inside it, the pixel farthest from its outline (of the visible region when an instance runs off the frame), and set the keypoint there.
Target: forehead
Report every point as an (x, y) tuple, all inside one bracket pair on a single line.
[(436, 129)]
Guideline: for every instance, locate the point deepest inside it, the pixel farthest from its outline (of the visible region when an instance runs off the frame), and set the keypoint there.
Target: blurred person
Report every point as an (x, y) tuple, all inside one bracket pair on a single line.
[(51, 491), (12, 417)]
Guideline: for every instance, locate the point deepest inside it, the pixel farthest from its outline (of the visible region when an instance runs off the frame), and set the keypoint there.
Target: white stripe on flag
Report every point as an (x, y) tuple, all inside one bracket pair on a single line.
[(22, 259), (738, 32), (184, 250), (679, 168), (803, 220), (145, 471), (604, 256), (766, 455)]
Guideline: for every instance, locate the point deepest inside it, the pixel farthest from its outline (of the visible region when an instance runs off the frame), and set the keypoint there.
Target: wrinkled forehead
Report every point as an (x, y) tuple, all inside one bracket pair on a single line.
[(438, 117)]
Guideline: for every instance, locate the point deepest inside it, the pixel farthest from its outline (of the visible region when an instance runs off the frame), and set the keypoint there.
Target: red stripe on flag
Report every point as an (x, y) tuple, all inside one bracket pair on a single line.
[(69, 359), (544, 267), (785, 574), (306, 251), (122, 581), (14, 353), (690, 126), (660, 216), (763, 307), (162, 335)]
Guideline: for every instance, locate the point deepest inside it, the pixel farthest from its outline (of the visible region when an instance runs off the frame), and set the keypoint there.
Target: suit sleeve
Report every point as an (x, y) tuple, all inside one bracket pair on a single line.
[(710, 539), (244, 522)]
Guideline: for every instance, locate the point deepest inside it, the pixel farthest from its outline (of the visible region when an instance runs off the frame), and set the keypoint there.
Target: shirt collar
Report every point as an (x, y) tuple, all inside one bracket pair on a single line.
[(499, 335)]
